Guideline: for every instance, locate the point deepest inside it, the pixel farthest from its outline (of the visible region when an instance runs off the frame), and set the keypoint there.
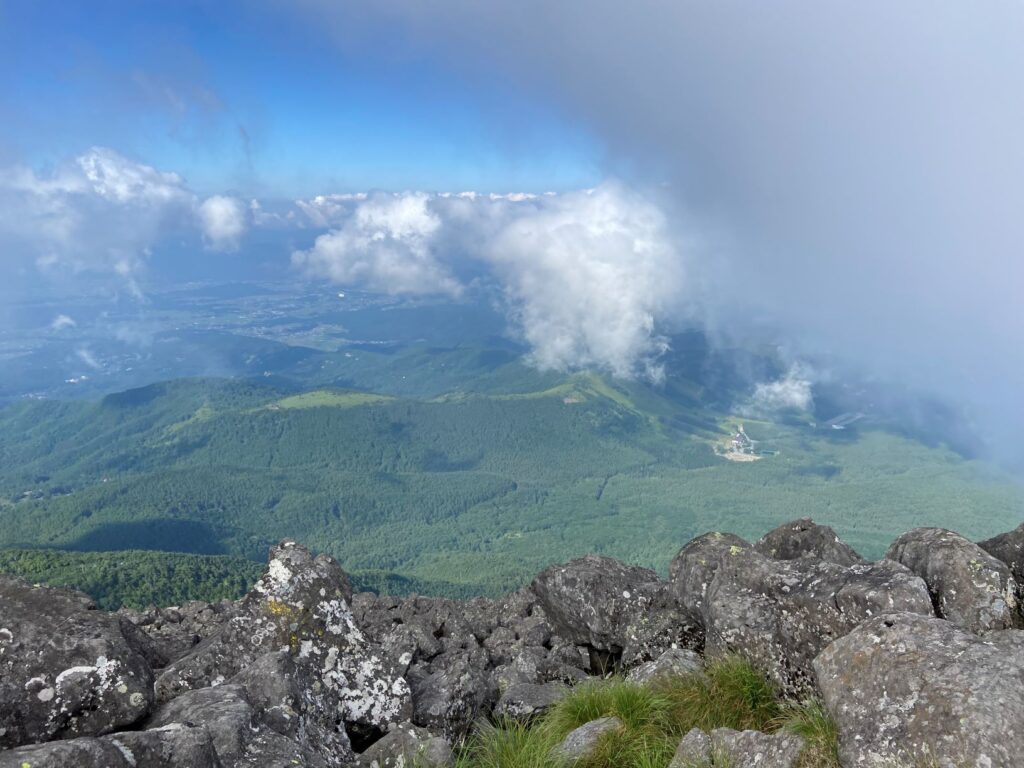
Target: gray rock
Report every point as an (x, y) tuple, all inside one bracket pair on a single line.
[(66, 670), (582, 741), (457, 691), (781, 613), (968, 586), (694, 751), (224, 710), (525, 701), (174, 631), (301, 604), (170, 747), (1009, 548), (693, 569), (406, 746), (672, 663), (593, 600), (909, 690), (737, 749), (805, 538)]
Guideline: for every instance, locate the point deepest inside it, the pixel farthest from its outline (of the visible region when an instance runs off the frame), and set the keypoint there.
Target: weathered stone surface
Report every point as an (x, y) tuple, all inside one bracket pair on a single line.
[(672, 663), (693, 568), (170, 747), (66, 670), (909, 690), (224, 710), (583, 740), (525, 701), (805, 538), (301, 606), (969, 587), (737, 749), (455, 692), (694, 750), (594, 600), (174, 631), (781, 613), (406, 746), (1009, 548)]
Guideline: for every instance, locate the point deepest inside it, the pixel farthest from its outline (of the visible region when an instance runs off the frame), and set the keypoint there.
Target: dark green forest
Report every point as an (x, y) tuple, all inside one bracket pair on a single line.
[(470, 492)]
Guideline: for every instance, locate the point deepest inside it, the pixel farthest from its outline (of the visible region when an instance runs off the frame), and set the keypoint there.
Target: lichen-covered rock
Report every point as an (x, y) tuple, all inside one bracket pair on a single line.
[(582, 741), (300, 605), (908, 690), (525, 701), (456, 690), (805, 538), (594, 600), (66, 670), (693, 568), (169, 747), (1009, 548), (406, 746), (672, 663), (781, 613), (968, 586), (737, 749)]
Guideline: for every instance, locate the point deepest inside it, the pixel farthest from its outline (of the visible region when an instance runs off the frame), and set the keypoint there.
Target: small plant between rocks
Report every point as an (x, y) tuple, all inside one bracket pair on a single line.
[(654, 717)]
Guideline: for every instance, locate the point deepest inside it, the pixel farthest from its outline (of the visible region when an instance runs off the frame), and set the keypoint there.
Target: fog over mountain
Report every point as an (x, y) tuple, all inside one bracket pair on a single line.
[(844, 181), (853, 171)]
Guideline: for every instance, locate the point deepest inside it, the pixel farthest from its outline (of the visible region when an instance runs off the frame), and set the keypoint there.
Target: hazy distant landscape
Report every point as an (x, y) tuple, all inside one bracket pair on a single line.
[(411, 441)]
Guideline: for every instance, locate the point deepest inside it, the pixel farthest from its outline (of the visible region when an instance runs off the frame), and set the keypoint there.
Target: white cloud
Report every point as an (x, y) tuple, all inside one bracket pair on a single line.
[(794, 390), (62, 321), (223, 221), (86, 356), (589, 275), (103, 213), (385, 245)]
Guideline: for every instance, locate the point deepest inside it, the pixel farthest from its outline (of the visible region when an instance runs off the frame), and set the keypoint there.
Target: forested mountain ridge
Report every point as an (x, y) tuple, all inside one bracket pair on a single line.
[(462, 493)]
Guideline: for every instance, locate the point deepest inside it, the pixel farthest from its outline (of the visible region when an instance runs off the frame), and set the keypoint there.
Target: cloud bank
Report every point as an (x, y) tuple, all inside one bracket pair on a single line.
[(103, 213), (587, 277)]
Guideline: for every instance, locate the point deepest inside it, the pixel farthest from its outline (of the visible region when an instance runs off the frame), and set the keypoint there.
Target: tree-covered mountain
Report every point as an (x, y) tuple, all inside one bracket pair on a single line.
[(470, 491)]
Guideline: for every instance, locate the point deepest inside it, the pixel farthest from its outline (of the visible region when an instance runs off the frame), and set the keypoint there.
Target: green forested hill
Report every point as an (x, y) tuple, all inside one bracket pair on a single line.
[(464, 493)]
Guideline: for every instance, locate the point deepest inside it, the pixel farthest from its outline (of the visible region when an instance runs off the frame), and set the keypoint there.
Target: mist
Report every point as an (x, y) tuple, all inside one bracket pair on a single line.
[(854, 170)]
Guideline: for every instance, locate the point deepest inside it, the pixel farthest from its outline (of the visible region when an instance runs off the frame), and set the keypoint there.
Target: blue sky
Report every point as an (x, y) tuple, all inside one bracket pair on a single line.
[(248, 98)]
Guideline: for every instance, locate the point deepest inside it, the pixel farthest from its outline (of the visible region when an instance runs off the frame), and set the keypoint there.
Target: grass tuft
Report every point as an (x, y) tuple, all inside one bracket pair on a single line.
[(730, 694)]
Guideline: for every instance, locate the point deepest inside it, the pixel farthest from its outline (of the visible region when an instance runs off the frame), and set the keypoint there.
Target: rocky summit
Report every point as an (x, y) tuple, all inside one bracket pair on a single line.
[(918, 659)]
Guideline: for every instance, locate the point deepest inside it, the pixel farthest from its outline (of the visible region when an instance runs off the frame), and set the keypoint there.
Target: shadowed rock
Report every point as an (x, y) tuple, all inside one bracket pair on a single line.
[(406, 746), (693, 568), (66, 670)]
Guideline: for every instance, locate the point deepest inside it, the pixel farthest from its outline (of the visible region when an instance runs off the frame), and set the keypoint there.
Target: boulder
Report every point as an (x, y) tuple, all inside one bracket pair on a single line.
[(66, 669), (969, 587), (693, 568), (672, 663), (525, 701), (582, 741), (405, 746), (593, 601), (737, 749), (910, 690), (169, 747), (781, 613), (805, 538), (1009, 548), (300, 605), (224, 711), (456, 690)]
